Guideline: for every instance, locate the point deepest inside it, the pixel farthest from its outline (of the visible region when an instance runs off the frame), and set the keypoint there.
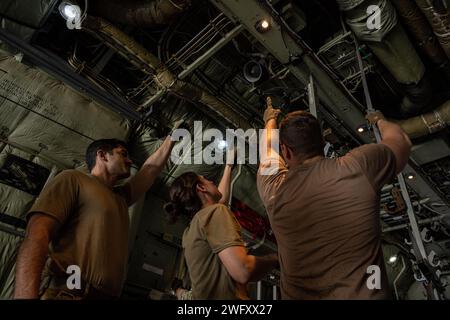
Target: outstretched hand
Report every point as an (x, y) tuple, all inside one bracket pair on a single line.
[(270, 112), (179, 124), (374, 116)]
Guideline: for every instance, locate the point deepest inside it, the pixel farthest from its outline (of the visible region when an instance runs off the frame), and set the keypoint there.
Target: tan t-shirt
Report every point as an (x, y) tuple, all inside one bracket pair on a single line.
[(94, 228), (325, 216), (212, 230)]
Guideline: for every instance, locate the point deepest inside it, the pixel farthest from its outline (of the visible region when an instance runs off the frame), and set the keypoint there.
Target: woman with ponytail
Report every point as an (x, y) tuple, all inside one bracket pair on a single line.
[(218, 263)]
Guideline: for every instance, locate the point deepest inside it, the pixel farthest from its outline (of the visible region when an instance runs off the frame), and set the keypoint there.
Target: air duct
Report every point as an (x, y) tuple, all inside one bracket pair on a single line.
[(419, 28), (428, 123), (392, 47), (23, 18), (438, 16), (168, 82), (347, 5), (417, 99), (122, 44), (163, 77), (389, 43), (357, 19), (139, 12)]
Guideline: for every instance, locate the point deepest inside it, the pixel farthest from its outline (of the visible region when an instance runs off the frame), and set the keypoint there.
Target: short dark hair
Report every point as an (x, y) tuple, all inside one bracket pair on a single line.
[(300, 131), (106, 145)]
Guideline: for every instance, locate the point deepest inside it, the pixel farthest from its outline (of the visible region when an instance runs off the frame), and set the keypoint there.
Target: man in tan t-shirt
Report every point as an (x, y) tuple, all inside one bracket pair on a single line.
[(84, 218), (325, 212)]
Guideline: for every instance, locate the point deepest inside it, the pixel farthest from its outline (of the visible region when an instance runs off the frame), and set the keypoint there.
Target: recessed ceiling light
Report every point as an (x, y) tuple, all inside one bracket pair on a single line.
[(392, 259), (262, 25)]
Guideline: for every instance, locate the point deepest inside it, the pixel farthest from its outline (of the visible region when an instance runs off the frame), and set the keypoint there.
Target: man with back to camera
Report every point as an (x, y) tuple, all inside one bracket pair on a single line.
[(84, 218), (325, 212)]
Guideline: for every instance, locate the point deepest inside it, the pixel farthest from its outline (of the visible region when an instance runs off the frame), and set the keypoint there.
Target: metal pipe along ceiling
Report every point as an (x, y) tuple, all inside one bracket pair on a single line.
[(394, 50), (390, 43), (139, 12), (163, 78), (122, 43), (392, 47), (418, 25), (438, 15), (427, 123)]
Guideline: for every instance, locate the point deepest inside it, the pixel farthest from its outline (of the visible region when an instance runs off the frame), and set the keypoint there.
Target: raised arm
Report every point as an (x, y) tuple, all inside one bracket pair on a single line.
[(32, 255), (393, 136), (397, 140), (225, 184), (270, 120), (152, 167), (243, 267)]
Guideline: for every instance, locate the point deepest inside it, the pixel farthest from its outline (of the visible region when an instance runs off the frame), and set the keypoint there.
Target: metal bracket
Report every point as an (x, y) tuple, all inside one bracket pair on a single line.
[(424, 234), (420, 278), (431, 257)]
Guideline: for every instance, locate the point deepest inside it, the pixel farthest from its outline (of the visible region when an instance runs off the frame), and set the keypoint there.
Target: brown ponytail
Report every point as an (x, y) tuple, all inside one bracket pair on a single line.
[(183, 196)]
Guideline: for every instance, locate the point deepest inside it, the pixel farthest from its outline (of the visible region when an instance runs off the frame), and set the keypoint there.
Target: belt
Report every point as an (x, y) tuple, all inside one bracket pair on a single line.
[(58, 290)]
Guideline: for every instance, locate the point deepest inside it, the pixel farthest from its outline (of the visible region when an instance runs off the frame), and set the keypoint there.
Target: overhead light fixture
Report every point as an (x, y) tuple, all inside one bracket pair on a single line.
[(393, 259), (222, 144), (68, 10), (265, 24), (362, 128), (411, 176), (262, 26), (71, 13)]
